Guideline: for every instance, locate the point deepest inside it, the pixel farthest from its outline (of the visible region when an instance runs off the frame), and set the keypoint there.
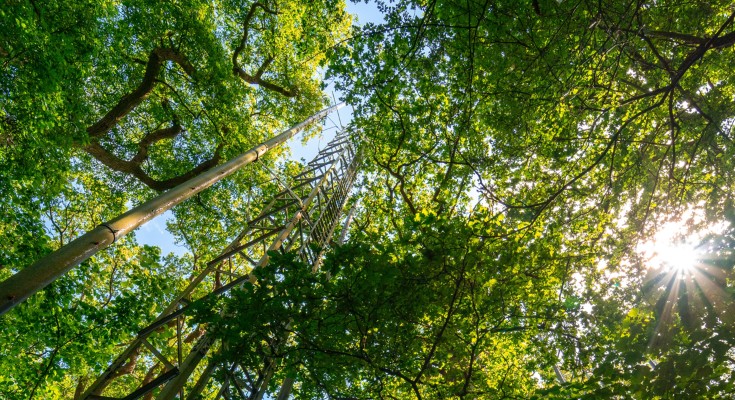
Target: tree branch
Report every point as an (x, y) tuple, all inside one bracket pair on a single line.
[(268, 61), (112, 161), (719, 42), (154, 137), (699, 52), (257, 78), (401, 188), (254, 80), (131, 100), (450, 313)]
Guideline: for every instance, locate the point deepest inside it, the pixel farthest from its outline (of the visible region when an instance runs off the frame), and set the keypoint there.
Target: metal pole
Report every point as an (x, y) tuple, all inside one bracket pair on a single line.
[(30, 280), (559, 375), (260, 230)]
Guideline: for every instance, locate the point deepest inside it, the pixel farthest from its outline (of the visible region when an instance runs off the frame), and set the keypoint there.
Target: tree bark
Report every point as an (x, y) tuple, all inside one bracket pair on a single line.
[(112, 161)]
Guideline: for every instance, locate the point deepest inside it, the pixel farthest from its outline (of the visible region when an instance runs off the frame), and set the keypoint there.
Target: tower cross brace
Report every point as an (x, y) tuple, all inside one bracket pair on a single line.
[(302, 218)]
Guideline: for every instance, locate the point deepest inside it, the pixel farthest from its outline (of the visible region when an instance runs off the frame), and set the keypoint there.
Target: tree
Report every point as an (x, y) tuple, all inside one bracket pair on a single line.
[(103, 102), (516, 97), (583, 125), (56, 342), (672, 341), (516, 153), (444, 312)]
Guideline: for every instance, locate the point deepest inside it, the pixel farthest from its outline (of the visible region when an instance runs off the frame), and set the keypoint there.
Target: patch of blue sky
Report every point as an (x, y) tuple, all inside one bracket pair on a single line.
[(365, 12)]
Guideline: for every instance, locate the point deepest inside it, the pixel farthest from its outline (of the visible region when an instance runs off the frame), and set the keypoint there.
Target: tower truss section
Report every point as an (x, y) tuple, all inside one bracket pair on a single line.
[(165, 358)]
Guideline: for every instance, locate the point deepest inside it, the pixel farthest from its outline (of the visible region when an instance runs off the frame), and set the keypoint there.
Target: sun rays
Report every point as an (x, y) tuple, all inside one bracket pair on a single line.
[(686, 277)]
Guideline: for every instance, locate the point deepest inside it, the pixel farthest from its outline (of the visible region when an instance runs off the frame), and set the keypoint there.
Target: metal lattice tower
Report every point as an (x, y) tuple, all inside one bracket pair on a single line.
[(302, 217)]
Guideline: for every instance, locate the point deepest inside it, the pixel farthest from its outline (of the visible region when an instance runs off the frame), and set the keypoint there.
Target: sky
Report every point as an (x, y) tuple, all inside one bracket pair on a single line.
[(154, 231)]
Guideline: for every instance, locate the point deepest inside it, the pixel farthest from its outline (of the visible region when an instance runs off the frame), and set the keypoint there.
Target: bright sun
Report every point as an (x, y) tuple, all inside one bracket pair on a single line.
[(672, 248), (680, 257), (677, 245)]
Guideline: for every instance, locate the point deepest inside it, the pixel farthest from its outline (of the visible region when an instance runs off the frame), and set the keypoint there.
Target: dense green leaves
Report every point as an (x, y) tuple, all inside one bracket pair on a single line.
[(443, 312), (517, 155), (100, 102), (585, 126)]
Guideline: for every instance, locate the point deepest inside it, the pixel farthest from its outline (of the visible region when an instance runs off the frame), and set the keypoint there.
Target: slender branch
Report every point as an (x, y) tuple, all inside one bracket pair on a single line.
[(268, 61), (543, 205), (45, 372), (445, 324), (448, 172), (719, 42), (697, 54), (681, 37), (81, 384), (254, 80), (246, 29), (154, 137), (401, 188)]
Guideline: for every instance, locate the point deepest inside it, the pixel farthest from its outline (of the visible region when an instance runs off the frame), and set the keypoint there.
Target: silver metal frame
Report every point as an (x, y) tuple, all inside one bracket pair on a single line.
[(300, 218)]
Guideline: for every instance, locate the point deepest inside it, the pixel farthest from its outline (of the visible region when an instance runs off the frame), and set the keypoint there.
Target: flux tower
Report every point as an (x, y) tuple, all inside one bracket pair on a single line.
[(172, 356), (175, 350)]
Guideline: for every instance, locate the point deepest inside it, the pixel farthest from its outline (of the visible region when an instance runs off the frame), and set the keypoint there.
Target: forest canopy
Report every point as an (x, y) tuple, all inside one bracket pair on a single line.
[(522, 163)]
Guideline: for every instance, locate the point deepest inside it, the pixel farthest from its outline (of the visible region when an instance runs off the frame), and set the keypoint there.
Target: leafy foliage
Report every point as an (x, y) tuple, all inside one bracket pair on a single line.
[(104, 103), (516, 156), (584, 127), (430, 316)]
